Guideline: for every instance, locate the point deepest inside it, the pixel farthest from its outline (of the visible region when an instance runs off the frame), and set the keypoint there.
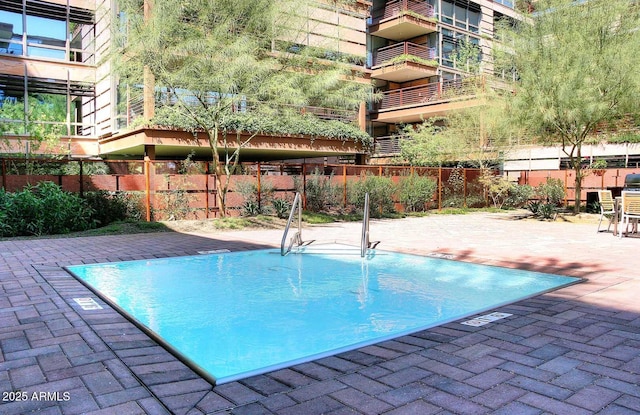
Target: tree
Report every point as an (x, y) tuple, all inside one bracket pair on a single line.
[(478, 135), (577, 67), (233, 69), (42, 122)]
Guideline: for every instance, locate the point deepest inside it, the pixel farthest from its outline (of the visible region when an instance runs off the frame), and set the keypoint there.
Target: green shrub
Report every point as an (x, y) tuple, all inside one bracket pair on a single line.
[(253, 206), (380, 189), (109, 207), (519, 195), (552, 191), (415, 192), (543, 210), (322, 195), (44, 209), (282, 207)]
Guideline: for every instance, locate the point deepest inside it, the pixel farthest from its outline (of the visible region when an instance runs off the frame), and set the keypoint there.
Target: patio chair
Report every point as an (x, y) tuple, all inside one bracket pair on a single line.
[(630, 211), (607, 207)]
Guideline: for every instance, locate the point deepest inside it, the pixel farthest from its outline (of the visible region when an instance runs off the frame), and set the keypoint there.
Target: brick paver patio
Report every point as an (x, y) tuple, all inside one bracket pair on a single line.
[(571, 351)]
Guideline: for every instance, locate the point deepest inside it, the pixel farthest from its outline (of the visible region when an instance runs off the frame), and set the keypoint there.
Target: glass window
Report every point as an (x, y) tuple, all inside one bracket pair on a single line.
[(474, 21), (10, 33), (46, 37), (448, 52), (447, 12), (461, 17)]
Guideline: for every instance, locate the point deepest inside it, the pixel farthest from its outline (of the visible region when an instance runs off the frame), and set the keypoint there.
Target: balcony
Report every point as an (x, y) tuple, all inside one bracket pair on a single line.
[(387, 146), (404, 62), (403, 19), (431, 93), (413, 104)]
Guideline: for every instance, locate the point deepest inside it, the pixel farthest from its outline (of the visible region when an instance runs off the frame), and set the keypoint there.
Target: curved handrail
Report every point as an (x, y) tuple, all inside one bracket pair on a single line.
[(364, 242), (297, 238)]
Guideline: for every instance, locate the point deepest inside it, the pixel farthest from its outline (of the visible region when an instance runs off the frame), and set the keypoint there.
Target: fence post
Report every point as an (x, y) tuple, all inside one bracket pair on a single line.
[(206, 189), (344, 185), (439, 188), (258, 184), (147, 187), (464, 187), (4, 174), (81, 180), (304, 185), (566, 188)]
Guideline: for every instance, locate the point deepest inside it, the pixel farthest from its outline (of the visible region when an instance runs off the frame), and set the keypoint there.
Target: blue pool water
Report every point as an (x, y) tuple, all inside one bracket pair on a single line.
[(237, 314)]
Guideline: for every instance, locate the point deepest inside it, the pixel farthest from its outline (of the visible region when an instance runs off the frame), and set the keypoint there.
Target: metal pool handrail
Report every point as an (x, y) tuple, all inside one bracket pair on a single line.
[(364, 242), (297, 238)]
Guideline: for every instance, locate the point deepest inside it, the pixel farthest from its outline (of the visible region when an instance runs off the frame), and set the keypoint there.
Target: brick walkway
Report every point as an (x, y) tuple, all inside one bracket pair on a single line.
[(572, 351)]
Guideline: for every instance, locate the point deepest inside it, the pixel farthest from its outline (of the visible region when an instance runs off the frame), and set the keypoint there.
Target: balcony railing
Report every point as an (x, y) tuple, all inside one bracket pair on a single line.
[(399, 7), (387, 145), (431, 93), (388, 53), (135, 103)]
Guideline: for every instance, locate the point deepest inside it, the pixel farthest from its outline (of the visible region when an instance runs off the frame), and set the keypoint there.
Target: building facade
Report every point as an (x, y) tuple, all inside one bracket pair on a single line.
[(56, 81), (415, 53)]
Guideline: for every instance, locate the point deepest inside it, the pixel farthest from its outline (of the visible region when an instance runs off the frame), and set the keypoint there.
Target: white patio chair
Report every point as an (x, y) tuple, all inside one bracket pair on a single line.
[(630, 211), (607, 207)]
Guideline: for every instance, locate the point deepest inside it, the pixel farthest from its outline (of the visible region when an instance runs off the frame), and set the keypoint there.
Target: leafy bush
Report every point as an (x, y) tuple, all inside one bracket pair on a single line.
[(282, 207), (44, 209), (415, 192), (552, 191), (250, 208), (543, 210), (109, 207), (177, 204), (322, 195), (519, 195), (497, 187), (253, 205), (380, 189)]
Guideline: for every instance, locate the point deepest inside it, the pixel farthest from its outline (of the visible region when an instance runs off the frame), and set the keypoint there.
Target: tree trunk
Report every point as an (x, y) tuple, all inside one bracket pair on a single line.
[(578, 188)]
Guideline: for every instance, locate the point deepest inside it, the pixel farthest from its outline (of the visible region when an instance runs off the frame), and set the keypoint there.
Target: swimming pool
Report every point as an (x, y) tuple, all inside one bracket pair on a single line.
[(233, 315)]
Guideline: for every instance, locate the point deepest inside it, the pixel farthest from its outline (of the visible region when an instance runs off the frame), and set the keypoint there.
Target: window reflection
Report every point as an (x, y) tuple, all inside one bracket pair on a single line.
[(10, 33), (69, 36)]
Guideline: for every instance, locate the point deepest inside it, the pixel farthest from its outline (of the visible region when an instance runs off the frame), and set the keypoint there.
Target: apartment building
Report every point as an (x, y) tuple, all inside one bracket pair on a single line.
[(54, 79), (414, 48)]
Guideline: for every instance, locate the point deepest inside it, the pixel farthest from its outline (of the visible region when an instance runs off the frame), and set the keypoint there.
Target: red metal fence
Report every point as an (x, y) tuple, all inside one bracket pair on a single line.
[(162, 186)]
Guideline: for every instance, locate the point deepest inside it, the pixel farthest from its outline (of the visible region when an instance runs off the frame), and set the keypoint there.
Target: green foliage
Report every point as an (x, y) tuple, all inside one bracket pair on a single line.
[(551, 192), (248, 89), (497, 187), (381, 190), (322, 194), (254, 205), (43, 209), (411, 58), (543, 210), (282, 207), (572, 76), (624, 138), (416, 192), (109, 207), (177, 204), (519, 195), (504, 193)]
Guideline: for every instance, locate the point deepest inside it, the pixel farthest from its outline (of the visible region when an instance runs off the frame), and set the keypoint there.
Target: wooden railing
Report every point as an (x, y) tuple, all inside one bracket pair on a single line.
[(431, 93), (397, 7), (387, 53)]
